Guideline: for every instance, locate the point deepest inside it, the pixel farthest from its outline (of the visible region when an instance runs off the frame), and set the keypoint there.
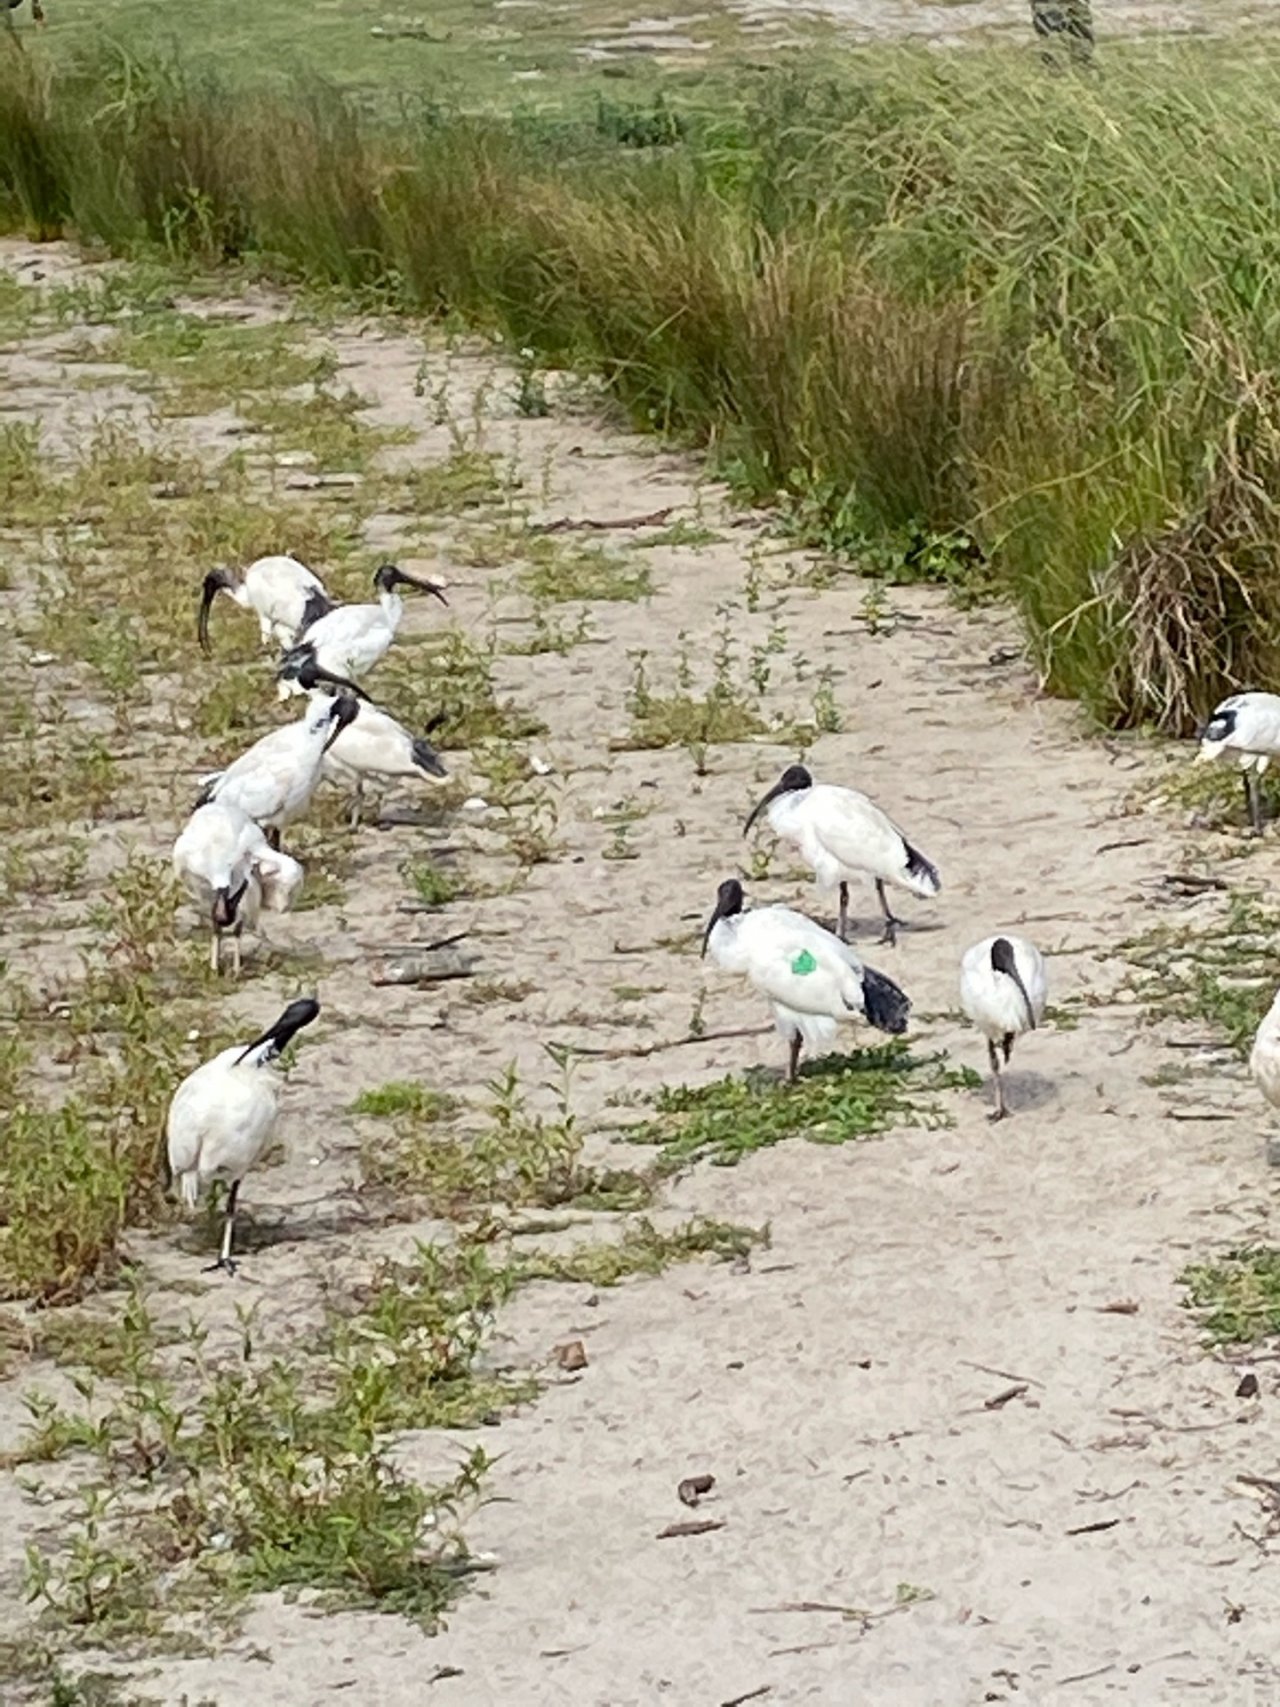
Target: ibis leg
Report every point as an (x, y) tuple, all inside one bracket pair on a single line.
[(1000, 1111), (357, 803), (1253, 800), (235, 947), (215, 951), (793, 1063), (225, 1260), (843, 927), (890, 932)]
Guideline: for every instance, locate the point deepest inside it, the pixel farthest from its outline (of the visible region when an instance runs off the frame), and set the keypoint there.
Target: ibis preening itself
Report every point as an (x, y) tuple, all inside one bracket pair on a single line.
[(232, 872), (273, 782), (373, 748), (811, 979), (1264, 1064), (283, 593), (1247, 726), (222, 1116), (1003, 991), (841, 834), (351, 639)]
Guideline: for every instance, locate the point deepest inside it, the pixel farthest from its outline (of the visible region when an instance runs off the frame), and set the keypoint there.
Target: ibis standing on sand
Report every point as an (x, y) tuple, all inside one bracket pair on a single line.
[(811, 979), (283, 593), (273, 782), (1248, 726), (1003, 991), (231, 871), (373, 747), (841, 834), (1264, 1064), (351, 639), (222, 1116)]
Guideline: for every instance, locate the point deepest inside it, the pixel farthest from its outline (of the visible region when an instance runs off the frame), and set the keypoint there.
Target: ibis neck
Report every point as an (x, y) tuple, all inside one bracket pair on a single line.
[(392, 606)]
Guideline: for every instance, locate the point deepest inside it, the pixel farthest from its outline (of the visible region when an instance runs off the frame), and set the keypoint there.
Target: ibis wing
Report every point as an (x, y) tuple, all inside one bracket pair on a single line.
[(797, 963), (280, 877), (856, 832)]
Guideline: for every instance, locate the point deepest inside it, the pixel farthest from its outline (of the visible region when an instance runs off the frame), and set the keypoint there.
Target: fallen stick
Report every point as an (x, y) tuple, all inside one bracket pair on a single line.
[(566, 524), (751, 1695), (638, 1049), (999, 1400), (691, 1526), (434, 966)]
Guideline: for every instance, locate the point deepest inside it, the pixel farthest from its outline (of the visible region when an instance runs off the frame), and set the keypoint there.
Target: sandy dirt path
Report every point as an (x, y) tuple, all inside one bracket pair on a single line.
[(964, 1351), (950, 23)]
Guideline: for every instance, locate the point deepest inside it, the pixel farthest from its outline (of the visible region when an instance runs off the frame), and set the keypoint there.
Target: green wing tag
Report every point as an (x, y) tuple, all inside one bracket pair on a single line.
[(804, 963)]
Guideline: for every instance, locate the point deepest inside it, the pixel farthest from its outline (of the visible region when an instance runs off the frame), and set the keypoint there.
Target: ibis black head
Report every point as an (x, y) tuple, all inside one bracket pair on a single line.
[(1221, 726), (389, 576), (215, 582), (226, 903), (728, 904), (1003, 959), (299, 665), (280, 1035), (344, 710), (792, 781)]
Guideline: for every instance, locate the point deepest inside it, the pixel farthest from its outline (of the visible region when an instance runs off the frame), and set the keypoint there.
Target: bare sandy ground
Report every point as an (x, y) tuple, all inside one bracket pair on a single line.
[(899, 1527), (948, 23)]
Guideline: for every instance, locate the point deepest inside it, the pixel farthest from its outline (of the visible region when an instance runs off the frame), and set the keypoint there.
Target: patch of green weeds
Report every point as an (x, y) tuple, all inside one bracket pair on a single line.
[(431, 884), (837, 1098), (467, 480), (682, 533), (548, 633), (1220, 971), (1238, 1297), (683, 719), (200, 363), (324, 426), (451, 677), (557, 573), (642, 1249), (401, 1098), (1214, 794)]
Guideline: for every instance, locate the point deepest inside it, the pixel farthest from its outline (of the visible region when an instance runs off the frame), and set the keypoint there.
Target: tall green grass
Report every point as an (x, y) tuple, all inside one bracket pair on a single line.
[(947, 307)]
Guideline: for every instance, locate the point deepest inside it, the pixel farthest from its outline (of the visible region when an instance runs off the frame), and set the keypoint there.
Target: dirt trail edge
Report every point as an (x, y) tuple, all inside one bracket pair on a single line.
[(966, 1444)]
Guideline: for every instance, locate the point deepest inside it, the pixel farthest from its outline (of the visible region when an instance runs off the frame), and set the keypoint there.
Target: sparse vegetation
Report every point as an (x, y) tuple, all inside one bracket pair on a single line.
[(1238, 1297)]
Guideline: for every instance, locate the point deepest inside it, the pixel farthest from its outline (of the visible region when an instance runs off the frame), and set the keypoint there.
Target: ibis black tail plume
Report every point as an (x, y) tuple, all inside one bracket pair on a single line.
[(885, 1005), (923, 872), (427, 759)]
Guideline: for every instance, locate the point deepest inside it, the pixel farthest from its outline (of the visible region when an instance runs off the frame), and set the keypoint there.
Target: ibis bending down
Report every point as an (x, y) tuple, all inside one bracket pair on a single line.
[(1248, 726), (373, 748), (231, 871), (811, 979), (351, 639), (283, 593), (273, 782), (842, 834), (222, 1116), (1003, 991)]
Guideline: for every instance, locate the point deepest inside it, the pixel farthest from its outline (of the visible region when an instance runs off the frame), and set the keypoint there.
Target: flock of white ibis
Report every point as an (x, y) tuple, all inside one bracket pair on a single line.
[(229, 857)]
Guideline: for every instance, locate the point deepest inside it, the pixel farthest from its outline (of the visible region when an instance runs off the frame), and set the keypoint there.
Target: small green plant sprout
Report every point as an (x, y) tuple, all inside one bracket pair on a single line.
[(531, 391)]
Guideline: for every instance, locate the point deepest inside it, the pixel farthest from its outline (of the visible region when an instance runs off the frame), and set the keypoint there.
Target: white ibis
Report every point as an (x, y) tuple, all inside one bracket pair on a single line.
[(351, 639), (231, 872), (222, 1116), (1003, 991), (811, 979), (283, 593), (273, 782), (373, 748), (1247, 726), (840, 834), (1264, 1064)]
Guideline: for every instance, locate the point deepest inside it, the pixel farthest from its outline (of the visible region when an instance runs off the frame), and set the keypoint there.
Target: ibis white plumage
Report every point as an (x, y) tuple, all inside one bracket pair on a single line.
[(1003, 989), (1264, 1065), (351, 639), (273, 782), (840, 834), (224, 860), (223, 1114), (284, 594), (374, 748), (1247, 726), (812, 981)]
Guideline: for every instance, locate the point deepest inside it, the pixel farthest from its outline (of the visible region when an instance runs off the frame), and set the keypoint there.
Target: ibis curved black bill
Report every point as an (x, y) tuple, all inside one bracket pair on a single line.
[(792, 780), (390, 576), (300, 665), (728, 904), (345, 710), (1004, 960), (280, 1035), (215, 582)]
